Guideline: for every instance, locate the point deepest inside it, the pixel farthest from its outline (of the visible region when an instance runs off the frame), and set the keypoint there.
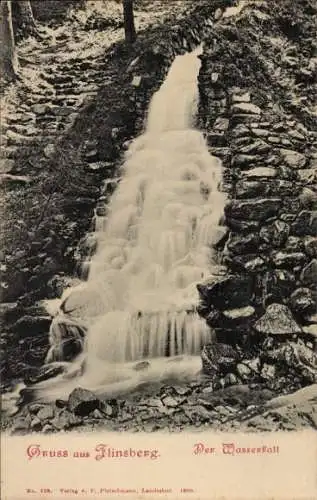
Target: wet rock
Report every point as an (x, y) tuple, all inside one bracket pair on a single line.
[(277, 320), (227, 292), (309, 274), (275, 234), (45, 372), (259, 210), (82, 402), (219, 358), (32, 325), (293, 159), (142, 365), (302, 301)]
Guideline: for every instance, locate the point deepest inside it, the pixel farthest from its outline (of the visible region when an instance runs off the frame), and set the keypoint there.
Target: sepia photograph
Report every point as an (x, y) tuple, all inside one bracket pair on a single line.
[(158, 180)]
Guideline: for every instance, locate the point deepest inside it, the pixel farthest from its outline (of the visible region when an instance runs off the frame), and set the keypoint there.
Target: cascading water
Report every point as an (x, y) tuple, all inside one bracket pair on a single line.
[(154, 245)]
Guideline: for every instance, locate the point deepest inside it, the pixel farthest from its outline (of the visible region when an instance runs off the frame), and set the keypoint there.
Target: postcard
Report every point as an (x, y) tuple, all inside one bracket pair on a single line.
[(159, 257)]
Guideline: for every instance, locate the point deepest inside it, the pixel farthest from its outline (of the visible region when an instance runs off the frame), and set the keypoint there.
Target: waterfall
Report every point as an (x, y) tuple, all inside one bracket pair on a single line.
[(155, 243)]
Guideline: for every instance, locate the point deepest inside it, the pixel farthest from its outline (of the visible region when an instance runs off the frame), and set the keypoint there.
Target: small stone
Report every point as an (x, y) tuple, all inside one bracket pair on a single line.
[(136, 81), (243, 371), (230, 379), (36, 424), (170, 401), (268, 372), (142, 365), (277, 320), (49, 150), (47, 429), (180, 390), (309, 274), (97, 414), (46, 413), (293, 159)]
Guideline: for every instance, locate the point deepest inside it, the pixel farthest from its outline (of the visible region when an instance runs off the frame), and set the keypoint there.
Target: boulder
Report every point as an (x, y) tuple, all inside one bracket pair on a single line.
[(227, 292), (82, 402), (258, 210), (277, 320)]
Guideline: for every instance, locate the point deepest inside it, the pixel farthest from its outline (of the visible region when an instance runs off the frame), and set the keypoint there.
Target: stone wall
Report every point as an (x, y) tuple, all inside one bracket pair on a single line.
[(262, 127)]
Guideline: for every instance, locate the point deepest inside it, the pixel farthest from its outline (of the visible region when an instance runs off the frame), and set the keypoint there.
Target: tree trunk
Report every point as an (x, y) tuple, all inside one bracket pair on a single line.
[(129, 27), (24, 17), (8, 59)]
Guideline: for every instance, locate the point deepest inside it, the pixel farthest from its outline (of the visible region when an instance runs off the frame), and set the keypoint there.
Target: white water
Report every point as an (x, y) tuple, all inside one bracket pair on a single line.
[(153, 248)]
